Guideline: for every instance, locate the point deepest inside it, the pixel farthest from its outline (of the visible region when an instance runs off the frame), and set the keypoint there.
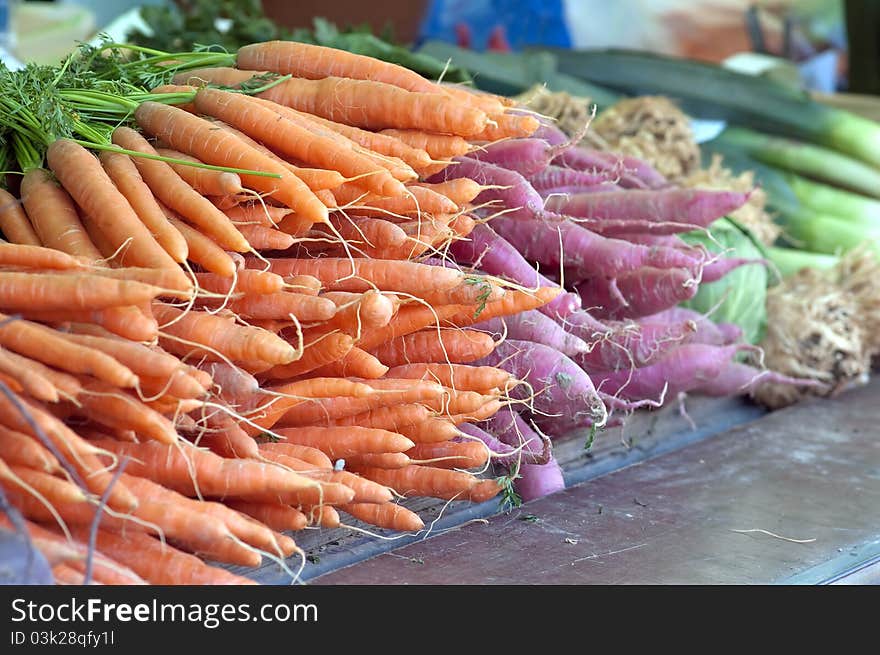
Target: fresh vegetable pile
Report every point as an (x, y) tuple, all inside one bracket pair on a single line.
[(297, 284)]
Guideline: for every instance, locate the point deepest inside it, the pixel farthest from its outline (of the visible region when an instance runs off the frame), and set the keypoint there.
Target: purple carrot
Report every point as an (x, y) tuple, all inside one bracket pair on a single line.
[(634, 345), (730, 332), (615, 403), (717, 269), (705, 329), (736, 378), (585, 253), (558, 176), (550, 132), (539, 480), (696, 207), (495, 256), (505, 454), (630, 172), (527, 156), (605, 187), (562, 394), (510, 191), (621, 228), (685, 368), (643, 239), (534, 326), (646, 291)]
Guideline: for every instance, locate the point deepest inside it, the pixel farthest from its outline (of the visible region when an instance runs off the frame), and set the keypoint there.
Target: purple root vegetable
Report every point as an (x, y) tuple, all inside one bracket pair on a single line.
[(623, 227), (615, 403), (666, 240), (644, 292), (634, 345), (496, 256), (505, 454), (717, 269), (585, 253), (736, 378), (561, 396), (508, 190), (527, 156), (685, 368), (705, 330), (539, 480), (730, 332), (534, 326), (696, 207), (630, 172), (605, 187), (554, 177)]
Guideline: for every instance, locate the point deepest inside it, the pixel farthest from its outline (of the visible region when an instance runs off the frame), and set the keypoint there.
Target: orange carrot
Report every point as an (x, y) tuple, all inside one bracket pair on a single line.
[(482, 379), (438, 146), (264, 124), (451, 454), (307, 454), (175, 193), (204, 180), (19, 449), (275, 515), (67, 291), (127, 178), (18, 255), (102, 201), (444, 345), (460, 191), (513, 302), (264, 238), (46, 345), (52, 212), (281, 305), (340, 442), (202, 250), (162, 564), (316, 354), (106, 405), (324, 515), (428, 481), (14, 222), (257, 214), (356, 363), (30, 380), (414, 199), (248, 281), (198, 137), (378, 460), (385, 515)]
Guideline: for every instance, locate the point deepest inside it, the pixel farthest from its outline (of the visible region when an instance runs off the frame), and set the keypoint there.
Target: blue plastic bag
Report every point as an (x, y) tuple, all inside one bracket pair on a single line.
[(497, 24)]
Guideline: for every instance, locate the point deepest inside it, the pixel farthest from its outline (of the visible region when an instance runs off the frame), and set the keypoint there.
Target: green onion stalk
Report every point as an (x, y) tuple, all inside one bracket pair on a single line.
[(806, 159), (834, 201)]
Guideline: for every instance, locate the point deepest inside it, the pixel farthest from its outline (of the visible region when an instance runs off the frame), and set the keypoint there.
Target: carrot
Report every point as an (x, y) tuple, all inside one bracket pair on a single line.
[(484, 490), (462, 225), (366, 311), (20, 449), (65, 574), (308, 454), (106, 405), (434, 429), (461, 190), (366, 235), (395, 418), (281, 305), (265, 238), (202, 250), (438, 146), (451, 454), (50, 291), (125, 175), (129, 322), (14, 222), (257, 214), (200, 138), (231, 442), (248, 281), (378, 460), (18, 255), (324, 515), (140, 359), (506, 126), (414, 199), (316, 62), (214, 475), (513, 302), (316, 354), (385, 515), (450, 345), (275, 515), (174, 192), (482, 379), (234, 341), (415, 480), (159, 563), (204, 180), (102, 201), (340, 442), (30, 380), (55, 490), (303, 284), (46, 345), (263, 123), (356, 363)]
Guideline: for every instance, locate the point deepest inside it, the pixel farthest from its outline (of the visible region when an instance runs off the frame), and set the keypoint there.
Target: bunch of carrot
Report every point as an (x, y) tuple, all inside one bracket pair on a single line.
[(196, 362)]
